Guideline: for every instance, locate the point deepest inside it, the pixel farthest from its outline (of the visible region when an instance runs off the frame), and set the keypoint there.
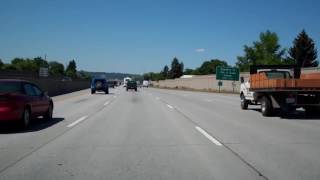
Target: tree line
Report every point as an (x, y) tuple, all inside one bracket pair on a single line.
[(33, 65), (265, 51), (268, 51)]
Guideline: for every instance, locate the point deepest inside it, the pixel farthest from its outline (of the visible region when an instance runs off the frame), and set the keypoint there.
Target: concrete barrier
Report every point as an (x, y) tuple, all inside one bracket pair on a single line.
[(53, 85), (209, 82), (202, 83)]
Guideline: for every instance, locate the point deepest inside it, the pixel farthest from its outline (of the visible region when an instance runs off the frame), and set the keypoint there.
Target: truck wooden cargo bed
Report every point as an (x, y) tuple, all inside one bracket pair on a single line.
[(306, 82)]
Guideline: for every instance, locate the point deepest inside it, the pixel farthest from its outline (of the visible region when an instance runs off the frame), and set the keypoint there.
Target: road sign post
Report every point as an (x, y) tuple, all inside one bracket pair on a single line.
[(220, 84), (233, 86)]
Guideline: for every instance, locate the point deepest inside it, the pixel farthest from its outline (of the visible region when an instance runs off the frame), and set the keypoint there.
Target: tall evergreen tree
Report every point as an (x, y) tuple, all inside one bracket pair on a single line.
[(71, 70), (1, 64), (176, 69), (165, 72), (304, 52)]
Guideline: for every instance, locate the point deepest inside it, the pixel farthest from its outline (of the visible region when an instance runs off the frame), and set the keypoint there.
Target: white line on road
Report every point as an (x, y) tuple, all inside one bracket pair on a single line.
[(208, 100), (169, 106), (106, 103), (212, 139), (77, 121), (157, 98)]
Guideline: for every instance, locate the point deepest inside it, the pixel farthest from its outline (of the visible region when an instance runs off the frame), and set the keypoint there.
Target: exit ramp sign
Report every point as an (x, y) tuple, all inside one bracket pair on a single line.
[(227, 73)]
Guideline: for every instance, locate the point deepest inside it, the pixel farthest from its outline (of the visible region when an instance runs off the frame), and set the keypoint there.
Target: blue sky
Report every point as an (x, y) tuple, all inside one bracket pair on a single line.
[(138, 36)]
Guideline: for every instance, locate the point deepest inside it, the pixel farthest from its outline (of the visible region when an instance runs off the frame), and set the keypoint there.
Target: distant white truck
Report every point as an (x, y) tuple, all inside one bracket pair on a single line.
[(145, 83), (125, 80)]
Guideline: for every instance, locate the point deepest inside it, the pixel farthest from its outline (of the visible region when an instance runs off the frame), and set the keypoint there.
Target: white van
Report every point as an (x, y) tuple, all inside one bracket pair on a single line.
[(145, 83)]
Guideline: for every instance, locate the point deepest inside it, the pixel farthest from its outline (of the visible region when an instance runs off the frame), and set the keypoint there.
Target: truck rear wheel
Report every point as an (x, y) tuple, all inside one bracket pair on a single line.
[(244, 102), (266, 106)]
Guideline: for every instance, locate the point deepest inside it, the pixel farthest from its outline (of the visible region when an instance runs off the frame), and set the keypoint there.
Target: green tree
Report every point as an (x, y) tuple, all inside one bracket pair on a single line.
[(24, 64), (56, 68), (209, 67), (1, 64), (40, 62), (176, 70), (266, 51), (303, 52), (71, 70), (9, 67), (84, 75), (188, 71), (165, 72), (153, 76)]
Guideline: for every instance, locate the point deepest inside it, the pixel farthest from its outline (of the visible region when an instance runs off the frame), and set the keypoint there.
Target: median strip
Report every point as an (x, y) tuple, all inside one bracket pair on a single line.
[(212, 139), (77, 121)]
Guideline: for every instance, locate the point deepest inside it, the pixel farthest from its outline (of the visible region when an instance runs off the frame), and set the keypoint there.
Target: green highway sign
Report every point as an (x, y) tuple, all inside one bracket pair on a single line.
[(227, 73)]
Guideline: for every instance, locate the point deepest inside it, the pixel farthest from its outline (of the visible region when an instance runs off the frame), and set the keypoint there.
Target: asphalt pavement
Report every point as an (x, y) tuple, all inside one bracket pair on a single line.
[(161, 135)]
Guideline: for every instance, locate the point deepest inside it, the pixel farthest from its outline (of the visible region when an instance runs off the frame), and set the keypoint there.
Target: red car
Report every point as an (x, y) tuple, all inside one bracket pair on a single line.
[(21, 101)]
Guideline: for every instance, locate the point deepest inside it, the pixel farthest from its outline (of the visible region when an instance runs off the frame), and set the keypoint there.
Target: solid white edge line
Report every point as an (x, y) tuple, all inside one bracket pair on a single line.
[(77, 121), (106, 103), (169, 106), (212, 139)]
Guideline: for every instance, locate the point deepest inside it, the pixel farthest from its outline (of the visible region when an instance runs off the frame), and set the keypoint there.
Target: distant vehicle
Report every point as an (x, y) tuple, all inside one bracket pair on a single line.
[(112, 84), (139, 84), (99, 84), (125, 80), (21, 101), (145, 83), (132, 85), (274, 87)]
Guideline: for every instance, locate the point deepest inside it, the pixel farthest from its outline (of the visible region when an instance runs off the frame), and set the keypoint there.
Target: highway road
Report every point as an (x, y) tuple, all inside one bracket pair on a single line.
[(160, 135)]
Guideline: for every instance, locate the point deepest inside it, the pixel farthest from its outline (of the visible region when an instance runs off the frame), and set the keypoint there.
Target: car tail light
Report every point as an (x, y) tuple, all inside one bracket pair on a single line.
[(5, 109)]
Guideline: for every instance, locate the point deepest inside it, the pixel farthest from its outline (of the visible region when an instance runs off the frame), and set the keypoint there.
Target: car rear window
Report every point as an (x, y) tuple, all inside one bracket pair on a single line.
[(10, 87), (100, 80), (132, 82)]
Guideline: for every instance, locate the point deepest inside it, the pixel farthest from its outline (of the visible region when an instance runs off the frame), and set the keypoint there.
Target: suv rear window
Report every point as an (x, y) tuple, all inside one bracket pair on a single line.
[(100, 80), (10, 87)]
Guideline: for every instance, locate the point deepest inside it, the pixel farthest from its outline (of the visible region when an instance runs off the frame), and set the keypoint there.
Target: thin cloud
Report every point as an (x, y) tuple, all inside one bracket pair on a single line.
[(200, 50)]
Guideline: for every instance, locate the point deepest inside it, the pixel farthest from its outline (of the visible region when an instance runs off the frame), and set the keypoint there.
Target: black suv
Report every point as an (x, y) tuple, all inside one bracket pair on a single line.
[(132, 85), (99, 84)]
